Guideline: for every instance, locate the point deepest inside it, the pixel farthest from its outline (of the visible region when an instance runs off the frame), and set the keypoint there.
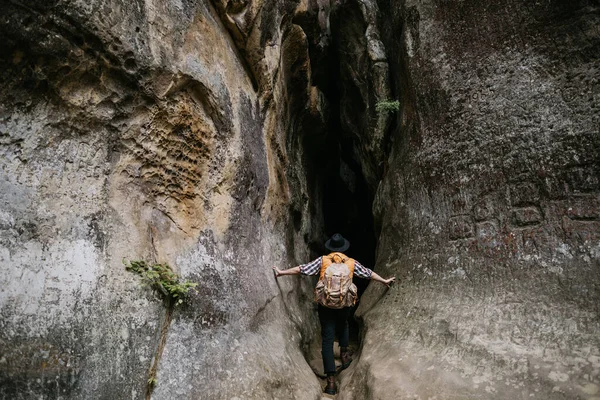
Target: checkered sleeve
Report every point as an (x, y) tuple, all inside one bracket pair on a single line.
[(361, 271), (312, 268)]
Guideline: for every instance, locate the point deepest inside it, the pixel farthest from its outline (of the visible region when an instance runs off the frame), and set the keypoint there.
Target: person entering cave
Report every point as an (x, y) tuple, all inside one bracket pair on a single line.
[(335, 294)]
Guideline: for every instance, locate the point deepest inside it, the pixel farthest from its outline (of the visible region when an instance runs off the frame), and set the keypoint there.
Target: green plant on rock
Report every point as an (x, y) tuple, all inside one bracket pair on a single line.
[(387, 106), (162, 278)]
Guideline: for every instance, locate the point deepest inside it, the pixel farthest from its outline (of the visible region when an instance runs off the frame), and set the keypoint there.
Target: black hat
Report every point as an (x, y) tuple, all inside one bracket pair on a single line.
[(337, 243)]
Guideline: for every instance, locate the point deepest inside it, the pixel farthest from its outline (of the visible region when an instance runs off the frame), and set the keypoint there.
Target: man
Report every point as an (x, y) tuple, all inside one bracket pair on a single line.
[(334, 320)]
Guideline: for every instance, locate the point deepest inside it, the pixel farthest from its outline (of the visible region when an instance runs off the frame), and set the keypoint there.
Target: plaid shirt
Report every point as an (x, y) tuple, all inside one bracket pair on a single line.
[(314, 267)]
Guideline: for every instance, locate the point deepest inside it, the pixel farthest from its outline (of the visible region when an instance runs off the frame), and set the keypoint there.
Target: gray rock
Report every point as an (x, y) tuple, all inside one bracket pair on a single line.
[(206, 134), (136, 131), (496, 141)]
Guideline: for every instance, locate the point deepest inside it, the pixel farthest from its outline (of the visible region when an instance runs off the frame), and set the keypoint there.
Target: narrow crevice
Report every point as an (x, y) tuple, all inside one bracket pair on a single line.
[(347, 196), (169, 308), (162, 341), (334, 166)]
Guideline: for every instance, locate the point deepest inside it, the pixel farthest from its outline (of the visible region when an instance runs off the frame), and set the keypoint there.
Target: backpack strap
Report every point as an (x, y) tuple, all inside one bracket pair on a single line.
[(336, 258)]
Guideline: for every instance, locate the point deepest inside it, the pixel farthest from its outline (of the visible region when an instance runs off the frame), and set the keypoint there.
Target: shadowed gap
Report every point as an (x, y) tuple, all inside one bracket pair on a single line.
[(346, 197), (333, 170)]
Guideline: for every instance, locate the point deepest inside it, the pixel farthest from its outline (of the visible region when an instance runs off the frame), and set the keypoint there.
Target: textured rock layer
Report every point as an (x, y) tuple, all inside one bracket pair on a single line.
[(488, 209), (224, 137), (147, 131)]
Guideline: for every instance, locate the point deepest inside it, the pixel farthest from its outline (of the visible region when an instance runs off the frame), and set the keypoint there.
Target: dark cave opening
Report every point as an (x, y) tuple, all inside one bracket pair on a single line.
[(347, 210), (332, 156), (347, 198), (347, 203)]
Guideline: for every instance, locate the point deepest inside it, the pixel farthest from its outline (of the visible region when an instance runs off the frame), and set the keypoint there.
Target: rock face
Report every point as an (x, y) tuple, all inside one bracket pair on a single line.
[(142, 131), (210, 135), (488, 209)]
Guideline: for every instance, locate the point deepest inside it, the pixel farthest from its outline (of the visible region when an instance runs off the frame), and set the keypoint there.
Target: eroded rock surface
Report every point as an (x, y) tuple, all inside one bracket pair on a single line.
[(210, 135), (147, 131), (488, 209)]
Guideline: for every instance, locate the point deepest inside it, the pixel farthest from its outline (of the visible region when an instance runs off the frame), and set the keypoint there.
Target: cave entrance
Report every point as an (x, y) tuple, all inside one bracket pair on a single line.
[(333, 161), (347, 198), (347, 209)]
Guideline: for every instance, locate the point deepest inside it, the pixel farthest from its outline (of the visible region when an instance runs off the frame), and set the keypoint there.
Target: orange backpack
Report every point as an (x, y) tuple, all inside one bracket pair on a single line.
[(335, 288)]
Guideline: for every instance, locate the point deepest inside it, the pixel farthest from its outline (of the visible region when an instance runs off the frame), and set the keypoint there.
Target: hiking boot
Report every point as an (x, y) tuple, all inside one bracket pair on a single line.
[(345, 356), (331, 387)]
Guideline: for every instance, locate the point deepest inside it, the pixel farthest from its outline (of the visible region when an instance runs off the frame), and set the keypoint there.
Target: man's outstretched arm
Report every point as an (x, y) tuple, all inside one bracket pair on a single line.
[(363, 272), (312, 268), (291, 271), (387, 282)]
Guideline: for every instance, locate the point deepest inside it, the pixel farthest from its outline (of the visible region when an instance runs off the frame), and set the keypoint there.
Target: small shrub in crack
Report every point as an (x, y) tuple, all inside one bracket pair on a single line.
[(387, 106), (162, 278)]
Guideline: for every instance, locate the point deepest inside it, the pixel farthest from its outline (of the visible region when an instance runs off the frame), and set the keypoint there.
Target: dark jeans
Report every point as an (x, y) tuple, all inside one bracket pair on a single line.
[(332, 322)]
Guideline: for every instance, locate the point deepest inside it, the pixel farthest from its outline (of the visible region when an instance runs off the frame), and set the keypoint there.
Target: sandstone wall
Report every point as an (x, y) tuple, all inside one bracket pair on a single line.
[(205, 134), (145, 130)]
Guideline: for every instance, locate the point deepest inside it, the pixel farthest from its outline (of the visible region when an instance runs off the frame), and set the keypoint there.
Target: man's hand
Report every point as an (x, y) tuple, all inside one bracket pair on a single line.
[(387, 282), (277, 271)]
